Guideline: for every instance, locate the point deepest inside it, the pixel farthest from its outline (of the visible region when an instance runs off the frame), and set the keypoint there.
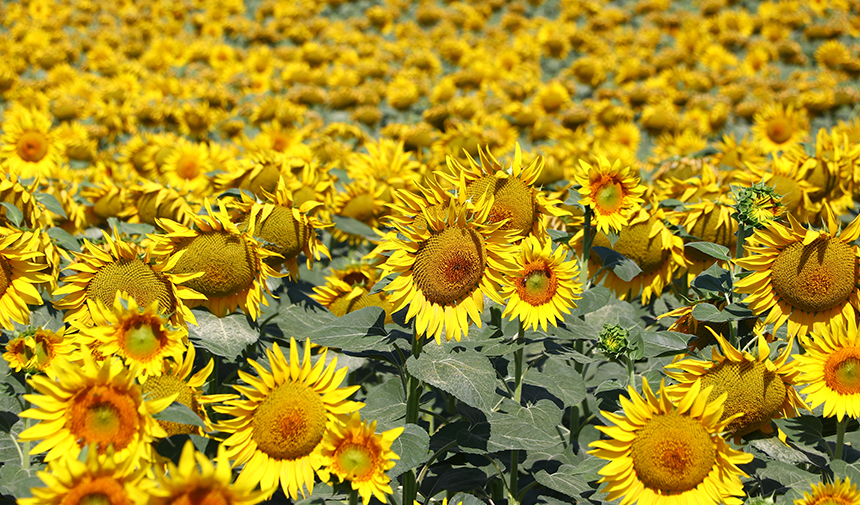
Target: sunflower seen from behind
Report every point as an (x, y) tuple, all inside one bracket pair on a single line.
[(802, 276), (233, 263), (665, 453), (354, 451), (20, 272), (544, 287), (758, 388), (277, 430), (99, 404), (119, 266), (197, 480), (446, 261), (611, 191)]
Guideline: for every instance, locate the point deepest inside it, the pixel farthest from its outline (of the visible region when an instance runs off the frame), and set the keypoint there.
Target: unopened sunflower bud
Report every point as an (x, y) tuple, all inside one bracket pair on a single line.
[(612, 340), (758, 205)]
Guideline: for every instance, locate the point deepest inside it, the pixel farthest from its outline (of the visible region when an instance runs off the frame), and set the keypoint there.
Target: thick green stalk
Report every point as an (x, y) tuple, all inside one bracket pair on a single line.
[(840, 436), (518, 395), (739, 253), (631, 372), (587, 239), (413, 400), (353, 497)]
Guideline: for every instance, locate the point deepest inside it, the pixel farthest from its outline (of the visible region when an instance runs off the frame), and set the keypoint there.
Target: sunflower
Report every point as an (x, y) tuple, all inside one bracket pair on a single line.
[(544, 286), (13, 191), (648, 243), (789, 178), (342, 298), (21, 269), (353, 451), (757, 387), (613, 193), (151, 200), (35, 350), (776, 128), (175, 381), (386, 161), (737, 153), (141, 336), (829, 368), (446, 263), (186, 168), (708, 221), (287, 229), (512, 197), (277, 432), (802, 276), (360, 200), (233, 262), (103, 272), (28, 145), (108, 480), (664, 453), (93, 404), (836, 493), (258, 173)]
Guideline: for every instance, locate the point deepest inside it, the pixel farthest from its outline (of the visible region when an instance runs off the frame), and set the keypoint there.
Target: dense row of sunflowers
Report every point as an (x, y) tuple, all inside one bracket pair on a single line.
[(167, 158)]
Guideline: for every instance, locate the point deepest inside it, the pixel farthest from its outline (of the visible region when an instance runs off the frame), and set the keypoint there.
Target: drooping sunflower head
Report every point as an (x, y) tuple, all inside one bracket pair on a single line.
[(513, 199), (139, 335), (353, 451), (777, 128), (838, 492), (119, 266), (708, 221), (259, 171), (802, 276), (447, 265), (287, 229), (613, 192), (232, 262), (93, 404), (544, 286), (281, 423), (151, 200), (22, 268), (662, 449), (760, 389)]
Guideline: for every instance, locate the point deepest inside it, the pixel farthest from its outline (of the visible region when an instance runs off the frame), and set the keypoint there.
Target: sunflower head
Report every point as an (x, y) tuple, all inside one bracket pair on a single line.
[(353, 451), (837, 492), (757, 205), (611, 191), (35, 350)]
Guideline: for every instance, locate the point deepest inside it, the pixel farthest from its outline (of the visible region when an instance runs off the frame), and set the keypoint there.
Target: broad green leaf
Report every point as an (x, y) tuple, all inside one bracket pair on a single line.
[(565, 480), (715, 278), (51, 203), (17, 481), (803, 430), (467, 375), (300, 320), (381, 283), (181, 414), (353, 226), (664, 343), (226, 337), (10, 449), (362, 330), (713, 250), (514, 427), (842, 469), (625, 268), (780, 477), (64, 239), (559, 378), (706, 312), (130, 228), (413, 447), (386, 403), (593, 299), (13, 214)]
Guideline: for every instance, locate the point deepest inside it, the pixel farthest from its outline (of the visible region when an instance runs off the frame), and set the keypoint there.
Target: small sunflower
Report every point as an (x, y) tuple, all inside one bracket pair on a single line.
[(544, 286), (109, 480), (790, 178), (287, 229), (28, 145), (277, 431), (103, 272), (665, 453), (613, 193), (803, 276), (35, 350), (93, 404), (386, 161), (353, 451), (175, 381), (186, 168), (510, 191), (13, 191), (446, 263), (196, 480), (836, 493), (141, 337), (829, 368), (360, 200), (757, 387), (233, 262), (777, 128), (342, 298)]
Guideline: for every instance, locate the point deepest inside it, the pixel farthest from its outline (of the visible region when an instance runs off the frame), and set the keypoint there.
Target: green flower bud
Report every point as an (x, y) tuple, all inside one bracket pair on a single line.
[(612, 340), (757, 205)]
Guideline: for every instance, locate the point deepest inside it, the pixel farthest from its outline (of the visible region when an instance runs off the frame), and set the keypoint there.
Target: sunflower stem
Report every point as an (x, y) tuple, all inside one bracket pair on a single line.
[(840, 436), (631, 372), (25, 450), (413, 400), (586, 247), (353, 497), (739, 245), (518, 395)]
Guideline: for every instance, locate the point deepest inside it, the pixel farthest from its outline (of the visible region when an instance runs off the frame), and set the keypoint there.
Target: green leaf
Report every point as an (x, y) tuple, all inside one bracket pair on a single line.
[(353, 226), (593, 299), (226, 337), (17, 481), (786, 476), (560, 379), (659, 344), (10, 449), (13, 214), (842, 469), (803, 430), (706, 312), (565, 480), (64, 239), (181, 414), (715, 278), (300, 320), (625, 268), (713, 250), (362, 330), (387, 404), (51, 203), (413, 447), (467, 375), (130, 228), (381, 283), (514, 427)]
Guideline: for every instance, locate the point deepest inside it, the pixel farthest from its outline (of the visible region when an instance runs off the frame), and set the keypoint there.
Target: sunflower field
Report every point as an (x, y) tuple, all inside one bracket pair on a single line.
[(534, 252)]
